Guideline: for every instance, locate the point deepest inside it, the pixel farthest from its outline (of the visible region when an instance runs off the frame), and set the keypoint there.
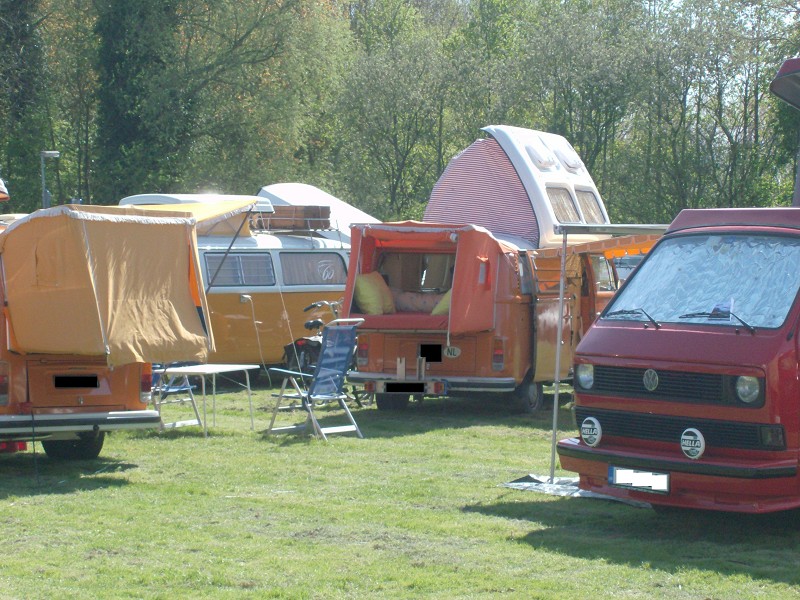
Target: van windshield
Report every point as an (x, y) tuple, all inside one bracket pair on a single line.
[(730, 279)]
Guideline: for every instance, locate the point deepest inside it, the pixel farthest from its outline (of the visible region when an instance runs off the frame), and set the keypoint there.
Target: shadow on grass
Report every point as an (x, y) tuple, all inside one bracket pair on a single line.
[(450, 413), (192, 431), (32, 474), (757, 546)]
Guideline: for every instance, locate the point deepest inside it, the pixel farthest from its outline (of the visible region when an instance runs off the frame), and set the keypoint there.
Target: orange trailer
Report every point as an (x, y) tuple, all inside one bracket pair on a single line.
[(91, 296), (452, 310)]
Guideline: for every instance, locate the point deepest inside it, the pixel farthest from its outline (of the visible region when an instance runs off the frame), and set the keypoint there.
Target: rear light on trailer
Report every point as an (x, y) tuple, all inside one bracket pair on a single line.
[(438, 387), (3, 384), (11, 447), (369, 387), (498, 355), (146, 383), (362, 354)]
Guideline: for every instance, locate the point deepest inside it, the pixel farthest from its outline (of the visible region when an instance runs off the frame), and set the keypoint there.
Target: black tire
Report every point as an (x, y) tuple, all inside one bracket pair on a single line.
[(530, 396), (88, 447), (391, 401)]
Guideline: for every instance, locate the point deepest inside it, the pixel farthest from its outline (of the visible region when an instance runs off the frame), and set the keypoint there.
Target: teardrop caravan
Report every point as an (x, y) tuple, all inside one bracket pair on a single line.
[(519, 184)]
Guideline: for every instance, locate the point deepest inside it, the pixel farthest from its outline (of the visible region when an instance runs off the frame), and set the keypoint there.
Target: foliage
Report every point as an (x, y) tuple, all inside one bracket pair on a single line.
[(666, 101), (23, 110)]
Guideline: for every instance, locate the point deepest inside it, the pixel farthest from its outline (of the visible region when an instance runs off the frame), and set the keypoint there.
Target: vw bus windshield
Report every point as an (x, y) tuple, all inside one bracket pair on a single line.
[(735, 280)]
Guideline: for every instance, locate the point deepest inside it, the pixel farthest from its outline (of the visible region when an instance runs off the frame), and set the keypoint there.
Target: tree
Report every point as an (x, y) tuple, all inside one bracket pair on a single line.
[(389, 112), (144, 114), (21, 102)]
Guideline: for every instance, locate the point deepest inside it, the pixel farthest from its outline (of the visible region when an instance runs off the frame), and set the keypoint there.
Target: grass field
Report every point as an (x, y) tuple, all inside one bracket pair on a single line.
[(415, 510)]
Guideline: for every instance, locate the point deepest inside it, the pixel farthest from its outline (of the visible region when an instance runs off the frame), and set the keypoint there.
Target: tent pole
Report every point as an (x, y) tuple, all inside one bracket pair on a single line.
[(228, 251), (559, 342)]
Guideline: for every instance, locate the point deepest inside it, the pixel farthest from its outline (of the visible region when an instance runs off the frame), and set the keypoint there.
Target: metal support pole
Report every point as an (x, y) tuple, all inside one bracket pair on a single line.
[(45, 154), (559, 341), (45, 199)]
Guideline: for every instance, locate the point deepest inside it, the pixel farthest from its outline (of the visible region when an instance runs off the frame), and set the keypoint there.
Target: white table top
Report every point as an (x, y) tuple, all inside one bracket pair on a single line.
[(207, 369)]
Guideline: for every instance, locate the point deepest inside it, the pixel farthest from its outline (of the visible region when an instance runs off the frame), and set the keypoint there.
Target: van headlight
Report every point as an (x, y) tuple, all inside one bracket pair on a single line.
[(748, 389), (584, 374)]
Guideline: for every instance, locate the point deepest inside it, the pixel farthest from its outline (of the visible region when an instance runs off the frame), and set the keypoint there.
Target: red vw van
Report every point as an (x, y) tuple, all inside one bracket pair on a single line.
[(687, 386)]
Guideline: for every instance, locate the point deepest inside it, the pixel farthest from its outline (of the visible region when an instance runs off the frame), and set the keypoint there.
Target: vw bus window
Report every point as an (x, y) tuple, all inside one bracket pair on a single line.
[(313, 268), (733, 279), (589, 206), (603, 275), (563, 205), (238, 269)]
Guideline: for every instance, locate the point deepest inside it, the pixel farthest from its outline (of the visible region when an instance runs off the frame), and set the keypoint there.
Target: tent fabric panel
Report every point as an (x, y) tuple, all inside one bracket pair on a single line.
[(143, 297), (117, 287), (218, 218), (481, 186), (610, 248), (47, 285)]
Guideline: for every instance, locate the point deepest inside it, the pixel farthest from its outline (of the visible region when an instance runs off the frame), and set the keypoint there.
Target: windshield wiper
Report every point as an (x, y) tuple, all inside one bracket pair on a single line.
[(634, 311), (718, 316)]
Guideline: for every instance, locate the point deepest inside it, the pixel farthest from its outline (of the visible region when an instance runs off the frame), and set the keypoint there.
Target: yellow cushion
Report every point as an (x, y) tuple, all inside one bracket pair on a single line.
[(372, 294), (443, 307)]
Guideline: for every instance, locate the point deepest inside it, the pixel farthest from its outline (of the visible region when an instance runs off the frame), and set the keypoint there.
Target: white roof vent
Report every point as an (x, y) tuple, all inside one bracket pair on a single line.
[(539, 153), (568, 157)]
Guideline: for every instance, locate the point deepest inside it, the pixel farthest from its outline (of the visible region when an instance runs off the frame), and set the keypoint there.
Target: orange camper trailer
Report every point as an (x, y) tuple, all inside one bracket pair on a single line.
[(453, 310), (91, 296)]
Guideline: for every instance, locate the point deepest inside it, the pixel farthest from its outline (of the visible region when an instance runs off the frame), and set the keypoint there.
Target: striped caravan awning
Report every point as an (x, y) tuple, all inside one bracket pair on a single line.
[(480, 186)]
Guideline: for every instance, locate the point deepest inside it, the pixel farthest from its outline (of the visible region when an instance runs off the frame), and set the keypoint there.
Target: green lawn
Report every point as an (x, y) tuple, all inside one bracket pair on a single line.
[(414, 510)]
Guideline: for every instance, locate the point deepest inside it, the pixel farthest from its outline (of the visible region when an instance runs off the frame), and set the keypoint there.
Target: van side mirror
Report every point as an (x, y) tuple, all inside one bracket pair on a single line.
[(786, 84)]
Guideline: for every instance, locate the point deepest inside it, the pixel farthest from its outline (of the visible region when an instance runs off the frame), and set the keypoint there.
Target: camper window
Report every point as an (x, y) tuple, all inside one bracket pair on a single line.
[(589, 206), (313, 268), (563, 205), (603, 275), (240, 269), (417, 280), (417, 272)]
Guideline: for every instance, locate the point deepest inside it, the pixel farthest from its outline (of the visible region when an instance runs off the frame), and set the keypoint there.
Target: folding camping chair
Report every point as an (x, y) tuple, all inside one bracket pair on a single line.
[(181, 391), (325, 385)]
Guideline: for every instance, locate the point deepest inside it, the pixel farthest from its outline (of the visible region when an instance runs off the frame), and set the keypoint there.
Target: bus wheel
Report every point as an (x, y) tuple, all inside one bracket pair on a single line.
[(530, 396), (84, 448), (391, 401)]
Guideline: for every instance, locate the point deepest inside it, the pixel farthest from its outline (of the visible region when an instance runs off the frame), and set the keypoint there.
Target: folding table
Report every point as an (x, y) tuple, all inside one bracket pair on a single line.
[(203, 371)]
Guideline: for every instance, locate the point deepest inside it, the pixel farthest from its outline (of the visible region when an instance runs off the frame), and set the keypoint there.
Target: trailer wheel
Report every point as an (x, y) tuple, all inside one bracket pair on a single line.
[(530, 396), (391, 401), (85, 448)]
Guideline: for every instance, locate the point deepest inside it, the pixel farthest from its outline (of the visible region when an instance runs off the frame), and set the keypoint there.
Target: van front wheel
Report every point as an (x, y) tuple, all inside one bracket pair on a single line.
[(530, 396), (84, 448)]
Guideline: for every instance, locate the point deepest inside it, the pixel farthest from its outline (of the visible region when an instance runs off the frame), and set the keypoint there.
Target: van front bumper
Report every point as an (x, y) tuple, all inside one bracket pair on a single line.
[(29, 427), (751, 486)]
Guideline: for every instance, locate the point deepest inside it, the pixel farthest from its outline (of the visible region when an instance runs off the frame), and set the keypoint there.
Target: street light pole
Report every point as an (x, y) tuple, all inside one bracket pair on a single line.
[(44, 154)]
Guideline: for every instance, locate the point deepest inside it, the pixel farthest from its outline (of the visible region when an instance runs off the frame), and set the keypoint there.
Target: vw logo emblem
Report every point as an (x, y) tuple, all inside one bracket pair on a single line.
[(650, 380), (693, 444)]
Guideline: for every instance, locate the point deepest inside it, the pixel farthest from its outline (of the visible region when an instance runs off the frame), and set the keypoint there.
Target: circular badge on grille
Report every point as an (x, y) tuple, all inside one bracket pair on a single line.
[(591, 432), (693, 444), (650, 380)]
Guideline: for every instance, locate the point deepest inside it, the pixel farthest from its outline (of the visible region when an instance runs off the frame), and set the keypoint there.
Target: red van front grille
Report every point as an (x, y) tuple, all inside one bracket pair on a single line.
[(675, 386), (661, 428)]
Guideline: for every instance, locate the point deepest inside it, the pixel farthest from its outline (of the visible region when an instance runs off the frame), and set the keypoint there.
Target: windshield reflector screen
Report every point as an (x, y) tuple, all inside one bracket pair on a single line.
[(730, 279)]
